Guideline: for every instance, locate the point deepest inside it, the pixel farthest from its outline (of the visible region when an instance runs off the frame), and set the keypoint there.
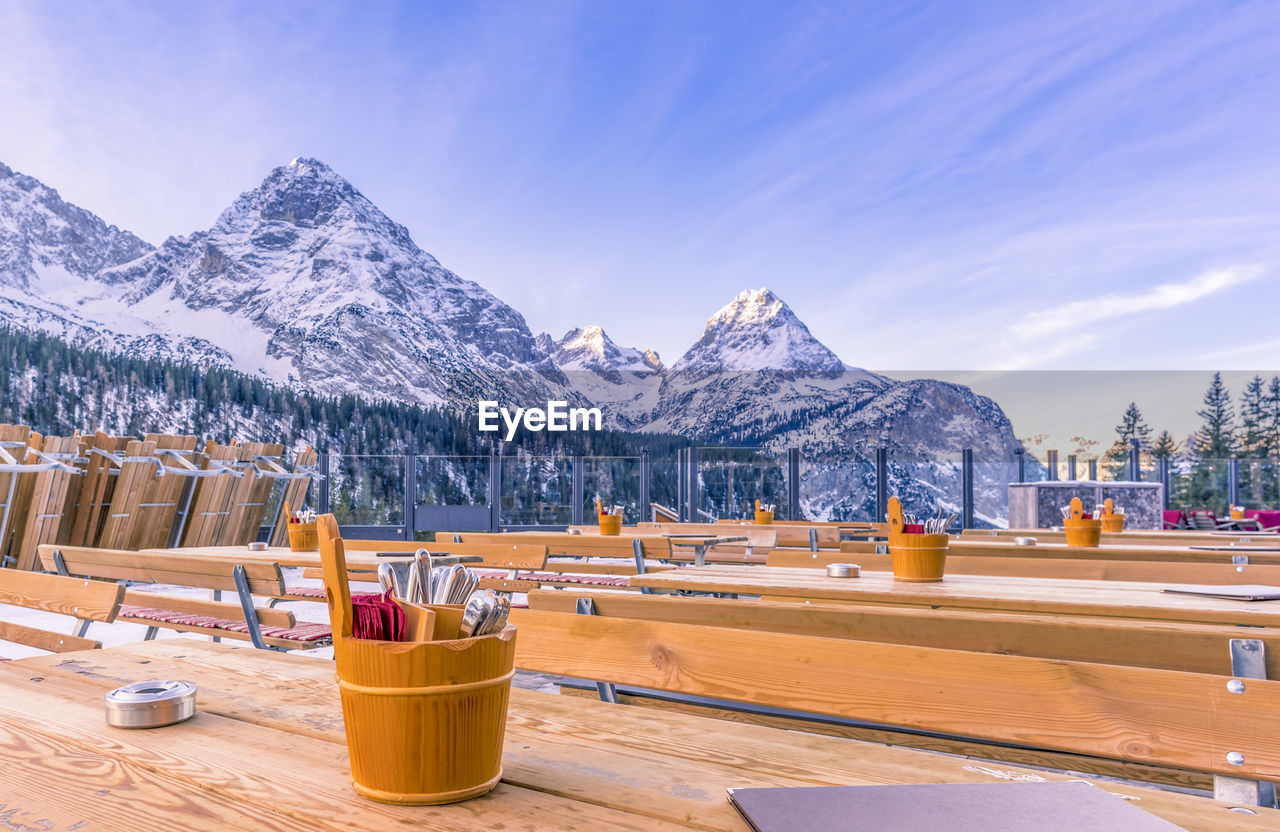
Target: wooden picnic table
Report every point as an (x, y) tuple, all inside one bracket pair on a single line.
[(1115, 599), (356, 559), (266, 751)]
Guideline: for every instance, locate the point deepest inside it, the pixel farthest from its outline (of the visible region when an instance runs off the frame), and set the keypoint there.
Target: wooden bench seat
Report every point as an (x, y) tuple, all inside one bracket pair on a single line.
[(243, 619), (300, 635), (81, 599)]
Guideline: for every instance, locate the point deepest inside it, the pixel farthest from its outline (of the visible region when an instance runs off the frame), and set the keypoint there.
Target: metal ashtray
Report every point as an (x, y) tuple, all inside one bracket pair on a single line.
[(151, 704), (1024, 541), (257, 547), (843, 570)]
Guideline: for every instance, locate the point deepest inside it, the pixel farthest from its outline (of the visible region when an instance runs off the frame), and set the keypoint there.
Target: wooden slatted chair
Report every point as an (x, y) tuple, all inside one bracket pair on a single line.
[(264, 627), (81, 599)]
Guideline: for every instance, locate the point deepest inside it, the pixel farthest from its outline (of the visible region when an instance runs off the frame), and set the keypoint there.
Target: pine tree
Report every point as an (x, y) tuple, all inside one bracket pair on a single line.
[(1216, 437), (1253, 420), (1165, 446), (1211, 446), (1132, 427), (1271, 422)]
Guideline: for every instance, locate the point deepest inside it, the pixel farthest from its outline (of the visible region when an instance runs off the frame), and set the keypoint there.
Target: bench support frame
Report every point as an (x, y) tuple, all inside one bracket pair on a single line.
[(607, 690), (1248, 661)]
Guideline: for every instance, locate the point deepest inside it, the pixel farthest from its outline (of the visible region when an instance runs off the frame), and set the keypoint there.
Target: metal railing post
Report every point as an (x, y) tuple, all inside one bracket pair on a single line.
[(1135, 461), (966, 488), (1233, 481), (323, 498), (1051, 461), (1071, 467), (1093, 470), (694, 495), (1166, 479), (882, 484), (1021, 455), (646, 482), (793, 484), (410, 497), (495, 491), (579, 485)]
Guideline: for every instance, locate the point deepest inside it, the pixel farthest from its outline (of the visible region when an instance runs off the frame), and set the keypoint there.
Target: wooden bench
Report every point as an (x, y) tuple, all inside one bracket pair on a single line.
[(527, 567), (506, 567), (645, 552), (264, 627), (1205, 722), (1189, 648), (84, 600)]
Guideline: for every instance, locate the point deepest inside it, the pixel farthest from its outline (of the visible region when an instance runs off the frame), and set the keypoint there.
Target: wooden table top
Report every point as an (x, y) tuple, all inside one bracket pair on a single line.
[(266, 751), (1037, 595), (283, 555), (1208, 551)]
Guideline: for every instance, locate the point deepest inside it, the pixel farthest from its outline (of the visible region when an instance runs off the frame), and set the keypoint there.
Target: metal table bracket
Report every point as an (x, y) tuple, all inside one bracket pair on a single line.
[(608, 693)]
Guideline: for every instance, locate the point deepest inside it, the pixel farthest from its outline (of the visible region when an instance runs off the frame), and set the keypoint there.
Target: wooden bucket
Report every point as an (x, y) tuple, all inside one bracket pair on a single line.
[(303, 537), (764, 518), (1082, 532), (424, 721), (610, 524), (918, 558), (1113, 522)]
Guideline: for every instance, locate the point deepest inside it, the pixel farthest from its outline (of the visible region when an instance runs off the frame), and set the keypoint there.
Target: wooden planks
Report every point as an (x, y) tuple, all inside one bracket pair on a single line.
[(1192, 648), (210, 501), (96, 488), (1056, 568), (166, 567), (1207, 553), (249, 495), (295, 492), (76, 597), (602, 765), (46, 504), (1188, 720), (575, 545), (1063, 597)]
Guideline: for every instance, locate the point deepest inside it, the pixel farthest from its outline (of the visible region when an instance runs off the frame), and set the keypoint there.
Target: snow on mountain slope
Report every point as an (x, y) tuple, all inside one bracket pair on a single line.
[(623, 381), (46, 242), (302, 280), (757, 331)]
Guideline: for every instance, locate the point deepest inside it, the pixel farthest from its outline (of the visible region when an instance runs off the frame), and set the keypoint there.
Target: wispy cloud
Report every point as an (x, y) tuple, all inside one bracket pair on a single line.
[(1094, 311)]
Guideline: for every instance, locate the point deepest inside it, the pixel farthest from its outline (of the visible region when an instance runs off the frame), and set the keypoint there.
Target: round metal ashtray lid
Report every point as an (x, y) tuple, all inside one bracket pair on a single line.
[(151, 704), (257, 546), (843, 570), (1024, 541)]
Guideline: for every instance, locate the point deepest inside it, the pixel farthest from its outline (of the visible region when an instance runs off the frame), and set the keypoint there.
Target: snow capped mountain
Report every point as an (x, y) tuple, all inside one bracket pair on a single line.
[(304, 281), (757, 331), (45, 241), (589, 348)]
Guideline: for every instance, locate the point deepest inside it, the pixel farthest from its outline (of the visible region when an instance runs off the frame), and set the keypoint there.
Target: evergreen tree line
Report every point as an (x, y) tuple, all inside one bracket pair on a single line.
[(58, 388), (1200, 462)]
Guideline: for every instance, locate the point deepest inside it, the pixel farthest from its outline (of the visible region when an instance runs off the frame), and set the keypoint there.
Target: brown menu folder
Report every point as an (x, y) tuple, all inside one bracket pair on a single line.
[(1232, 592), (950, 807)]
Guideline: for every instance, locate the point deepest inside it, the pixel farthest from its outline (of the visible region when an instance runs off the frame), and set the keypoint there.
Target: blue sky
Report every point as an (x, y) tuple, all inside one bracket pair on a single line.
[(930, 185)]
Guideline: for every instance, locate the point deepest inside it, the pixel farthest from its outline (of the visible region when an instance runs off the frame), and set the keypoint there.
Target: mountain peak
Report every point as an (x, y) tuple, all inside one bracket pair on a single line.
[(758, 331), (589, 348)]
